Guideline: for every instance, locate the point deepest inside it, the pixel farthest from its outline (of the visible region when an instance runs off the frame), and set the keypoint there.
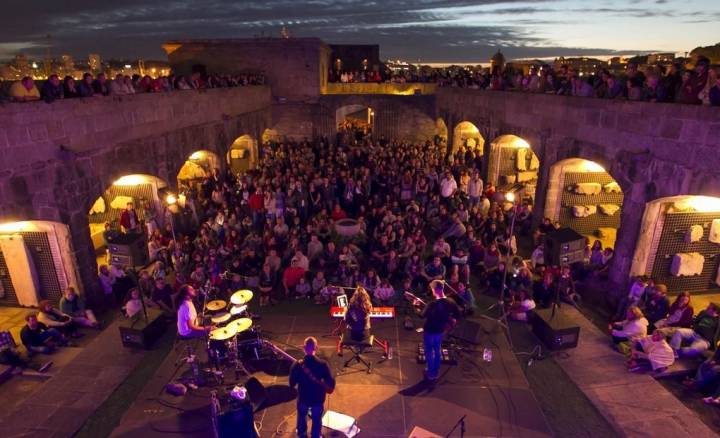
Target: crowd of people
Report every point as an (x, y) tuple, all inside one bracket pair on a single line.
[(673, 83), (54, 88)]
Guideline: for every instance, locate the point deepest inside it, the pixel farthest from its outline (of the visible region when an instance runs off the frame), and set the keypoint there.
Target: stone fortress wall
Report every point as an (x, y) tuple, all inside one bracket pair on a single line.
[(58, 158)]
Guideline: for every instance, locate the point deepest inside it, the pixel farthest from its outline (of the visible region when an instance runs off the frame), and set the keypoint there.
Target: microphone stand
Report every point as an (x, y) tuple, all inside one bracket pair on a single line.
[(461, 423)]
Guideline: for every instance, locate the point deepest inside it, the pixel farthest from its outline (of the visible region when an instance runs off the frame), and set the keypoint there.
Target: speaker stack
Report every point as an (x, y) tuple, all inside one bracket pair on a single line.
[(564, 247), (128, 250)]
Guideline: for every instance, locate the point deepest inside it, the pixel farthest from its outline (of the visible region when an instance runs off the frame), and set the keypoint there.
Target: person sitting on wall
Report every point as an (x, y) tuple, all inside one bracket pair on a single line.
[(56, 319), (653, 350), (634, 326), (38, 338), (74, 305), (24, 90), (702, 335)]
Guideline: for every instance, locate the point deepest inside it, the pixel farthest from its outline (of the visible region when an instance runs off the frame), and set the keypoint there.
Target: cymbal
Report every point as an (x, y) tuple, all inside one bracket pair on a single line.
[(221, 317), (236, 310), (241, 296), (240, 324), (223, 333), (215, 305)]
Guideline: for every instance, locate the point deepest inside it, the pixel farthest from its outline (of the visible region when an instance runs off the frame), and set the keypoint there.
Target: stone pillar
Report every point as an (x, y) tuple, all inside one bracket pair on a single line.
[(627, 237), (546, 152), (84, 253)]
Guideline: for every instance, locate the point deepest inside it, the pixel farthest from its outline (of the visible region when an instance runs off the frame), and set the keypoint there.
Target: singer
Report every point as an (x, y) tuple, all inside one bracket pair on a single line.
[(439, 315)]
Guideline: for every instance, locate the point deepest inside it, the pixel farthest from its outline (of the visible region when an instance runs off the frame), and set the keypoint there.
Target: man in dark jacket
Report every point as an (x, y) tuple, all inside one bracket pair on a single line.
[(313, 378), (52, 89)]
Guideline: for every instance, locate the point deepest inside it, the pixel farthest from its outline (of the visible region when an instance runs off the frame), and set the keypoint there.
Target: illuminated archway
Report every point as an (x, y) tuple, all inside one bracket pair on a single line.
[(198, 166), (355, 119), (513, 166), (243, 154), (441, 132), (270, 135), (37, 262), (143, 191), (576, 183), (467, 135), (671, 229)]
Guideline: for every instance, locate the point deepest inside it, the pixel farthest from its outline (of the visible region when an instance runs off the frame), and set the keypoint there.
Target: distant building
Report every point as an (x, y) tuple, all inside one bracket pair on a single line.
[(95, 63), (497, 62), (660, 58), (582, 65)]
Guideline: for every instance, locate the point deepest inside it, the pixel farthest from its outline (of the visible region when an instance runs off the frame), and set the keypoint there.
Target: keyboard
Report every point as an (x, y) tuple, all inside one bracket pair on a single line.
[(377, 312)]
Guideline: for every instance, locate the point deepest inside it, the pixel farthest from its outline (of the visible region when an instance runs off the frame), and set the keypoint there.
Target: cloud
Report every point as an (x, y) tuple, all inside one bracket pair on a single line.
[(426, 29)]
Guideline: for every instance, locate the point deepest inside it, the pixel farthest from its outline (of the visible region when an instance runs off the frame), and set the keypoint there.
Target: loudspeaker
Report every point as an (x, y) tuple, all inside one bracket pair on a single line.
[(137, 333), (256, 391), (468, 331), (238, 420), (128, 250), (557, 332), (564, 247)]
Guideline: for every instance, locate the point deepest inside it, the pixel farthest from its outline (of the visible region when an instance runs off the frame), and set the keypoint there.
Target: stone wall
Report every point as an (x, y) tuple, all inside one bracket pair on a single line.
[(58, 158), (652, 150)]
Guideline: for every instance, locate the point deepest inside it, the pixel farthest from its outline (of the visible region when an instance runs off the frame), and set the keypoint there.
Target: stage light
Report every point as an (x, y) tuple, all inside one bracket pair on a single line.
[(704, 204), (132, 180), (519, 143), (591, 166), (510, 197), (198, 155), (171, 199), (15, 227)]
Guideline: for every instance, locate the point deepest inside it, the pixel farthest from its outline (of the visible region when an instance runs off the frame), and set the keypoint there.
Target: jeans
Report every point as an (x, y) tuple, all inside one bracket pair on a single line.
[(707, 375), (433, 355), (697, 343), (316, 413)]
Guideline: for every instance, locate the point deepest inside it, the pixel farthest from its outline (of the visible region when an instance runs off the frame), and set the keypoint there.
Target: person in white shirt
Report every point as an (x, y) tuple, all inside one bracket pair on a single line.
[(654, 349), (448, 186), (635, 326), (187, 324), (522, 305)]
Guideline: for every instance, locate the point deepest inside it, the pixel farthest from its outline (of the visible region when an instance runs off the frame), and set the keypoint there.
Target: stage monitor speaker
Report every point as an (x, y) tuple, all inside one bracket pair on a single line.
[(557, 332), (256, 391), (237, 421), (129, 250), (564, 246), (468, 331), (138, 333)]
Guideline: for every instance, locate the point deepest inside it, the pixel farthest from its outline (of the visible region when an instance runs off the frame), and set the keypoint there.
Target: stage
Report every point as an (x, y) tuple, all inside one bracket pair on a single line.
[(389, 402)]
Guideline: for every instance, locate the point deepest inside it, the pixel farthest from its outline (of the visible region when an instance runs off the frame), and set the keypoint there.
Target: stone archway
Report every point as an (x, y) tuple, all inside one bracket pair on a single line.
[(467, 135), (671, 229), (361, 115), (441, 132), (513, 166), (199, 165), (243, 154), (145, 192), (38, 262)]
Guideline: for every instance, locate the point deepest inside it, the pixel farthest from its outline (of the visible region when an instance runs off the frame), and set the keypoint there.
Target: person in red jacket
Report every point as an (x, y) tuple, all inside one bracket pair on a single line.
[(257, 203)]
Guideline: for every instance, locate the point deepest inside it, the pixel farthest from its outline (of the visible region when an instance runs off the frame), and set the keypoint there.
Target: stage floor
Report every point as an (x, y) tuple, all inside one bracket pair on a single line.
[(389, 402)]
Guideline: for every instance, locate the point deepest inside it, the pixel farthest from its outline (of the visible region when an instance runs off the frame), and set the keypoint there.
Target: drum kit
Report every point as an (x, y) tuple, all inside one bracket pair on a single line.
[(235, 332)]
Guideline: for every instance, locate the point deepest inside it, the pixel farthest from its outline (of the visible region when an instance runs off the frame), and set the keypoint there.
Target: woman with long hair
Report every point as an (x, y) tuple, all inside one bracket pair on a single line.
[(357, 316)]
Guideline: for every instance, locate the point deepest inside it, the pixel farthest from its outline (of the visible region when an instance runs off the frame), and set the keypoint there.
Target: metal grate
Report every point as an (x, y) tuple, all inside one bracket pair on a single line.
[(38, 246), (8, 297), (672, 242), (588, 225)]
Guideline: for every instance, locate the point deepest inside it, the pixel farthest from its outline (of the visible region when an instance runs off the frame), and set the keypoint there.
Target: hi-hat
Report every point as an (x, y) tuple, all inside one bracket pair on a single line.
[(221, 317), (241, 296), (223, 333), (240, 325), (237, 310), (215, 305)]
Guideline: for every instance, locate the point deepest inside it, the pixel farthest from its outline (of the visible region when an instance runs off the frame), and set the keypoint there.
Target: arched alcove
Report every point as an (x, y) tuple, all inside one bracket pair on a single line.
[(144, 192), (671, 229), (513, 166), (467, 135), (583, 196), (198, 166), (37, 262), (243, 154), (356, 119), (441, 132), (270, 135)]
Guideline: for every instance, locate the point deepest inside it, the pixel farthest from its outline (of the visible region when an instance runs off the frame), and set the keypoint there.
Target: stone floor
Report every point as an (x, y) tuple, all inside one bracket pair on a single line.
[(80, 380), (635, 404)]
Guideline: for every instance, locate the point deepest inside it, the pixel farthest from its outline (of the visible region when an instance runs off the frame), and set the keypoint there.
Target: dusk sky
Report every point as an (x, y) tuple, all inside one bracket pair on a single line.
[(425, 30)]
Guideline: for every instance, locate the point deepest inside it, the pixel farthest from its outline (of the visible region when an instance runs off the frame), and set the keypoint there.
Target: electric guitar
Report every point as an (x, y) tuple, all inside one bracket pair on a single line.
[(420, 306)]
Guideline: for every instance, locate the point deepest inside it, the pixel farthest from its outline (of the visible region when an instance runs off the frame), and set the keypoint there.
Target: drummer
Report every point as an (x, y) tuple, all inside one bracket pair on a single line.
[(187, 323)]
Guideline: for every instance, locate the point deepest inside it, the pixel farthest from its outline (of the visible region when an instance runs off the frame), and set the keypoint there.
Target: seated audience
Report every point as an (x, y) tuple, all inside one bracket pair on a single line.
[(38, 338), (652, 349), (634, 326), (74, 305), (700, 337), (56, 319)]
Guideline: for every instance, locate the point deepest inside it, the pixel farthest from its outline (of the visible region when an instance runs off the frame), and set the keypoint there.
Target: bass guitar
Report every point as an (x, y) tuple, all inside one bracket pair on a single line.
[(420, 306)]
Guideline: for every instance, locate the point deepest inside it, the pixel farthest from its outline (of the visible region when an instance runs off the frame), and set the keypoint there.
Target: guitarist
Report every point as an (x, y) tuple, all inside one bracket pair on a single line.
[(440, 315), (313, 378)]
